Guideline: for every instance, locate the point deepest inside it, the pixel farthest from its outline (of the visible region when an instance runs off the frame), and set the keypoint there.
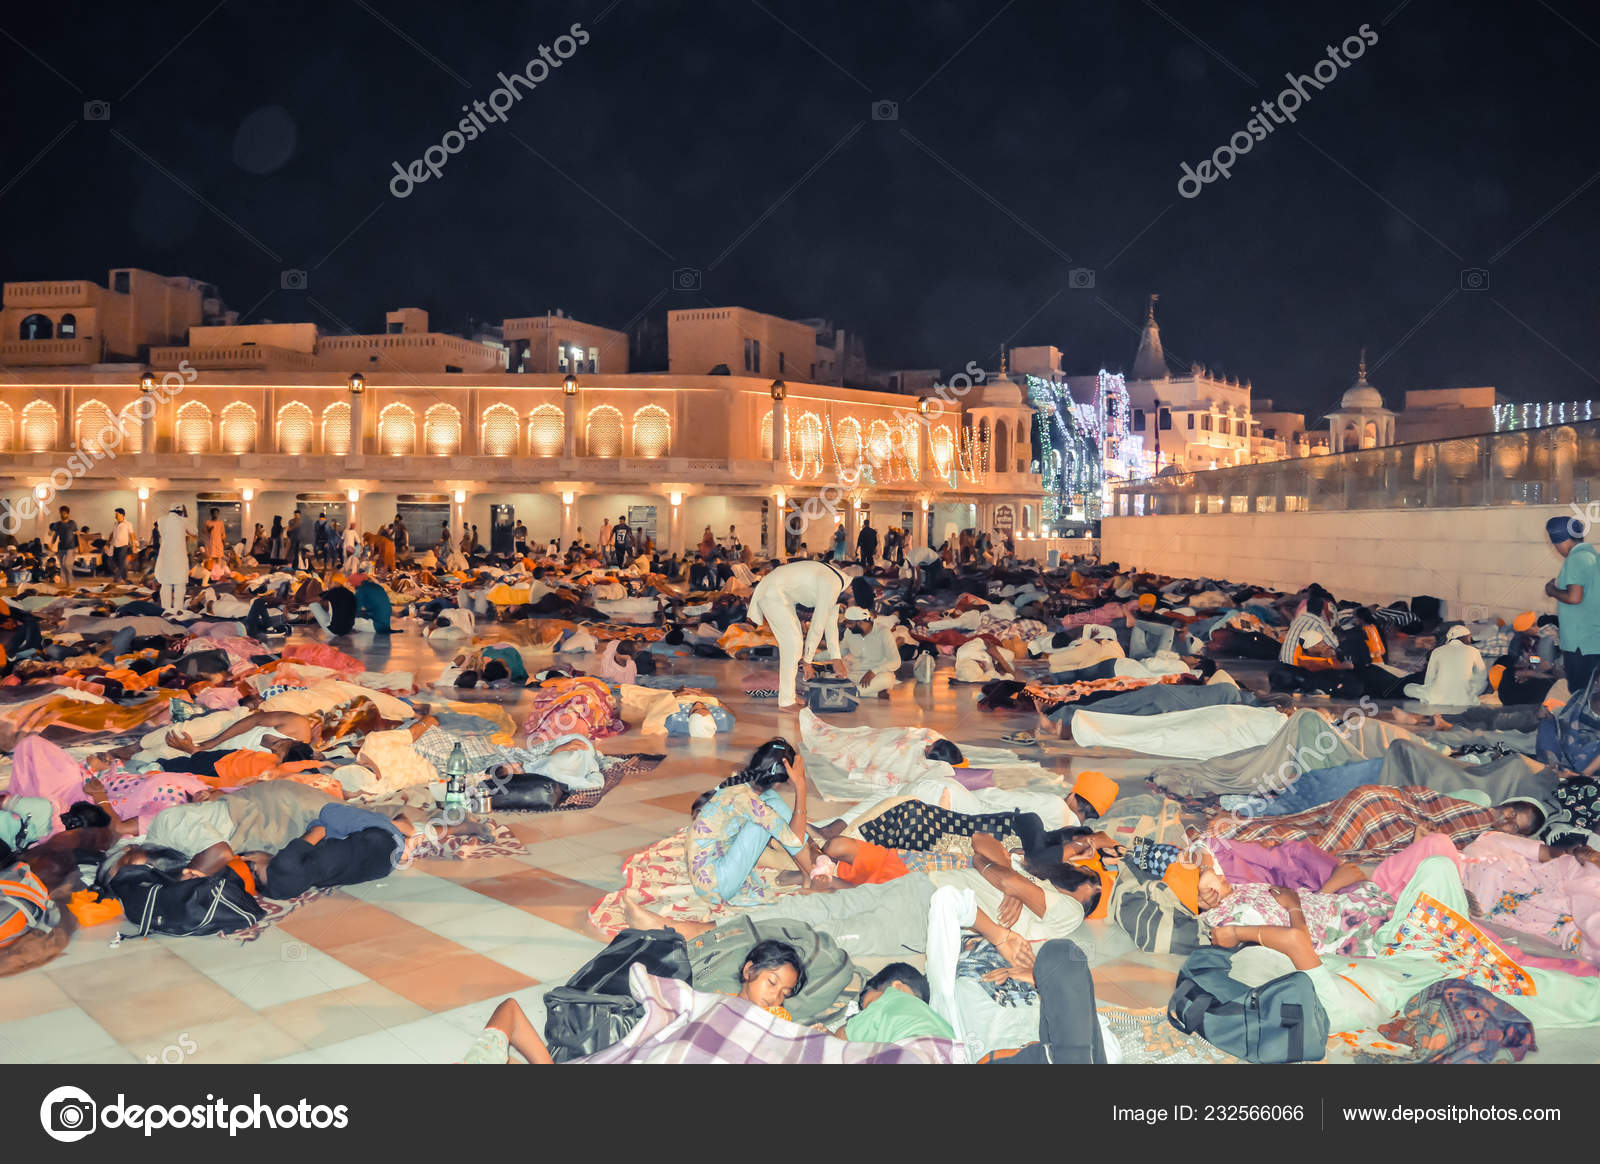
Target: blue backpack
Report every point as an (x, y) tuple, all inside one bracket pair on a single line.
[(1281, 1021)]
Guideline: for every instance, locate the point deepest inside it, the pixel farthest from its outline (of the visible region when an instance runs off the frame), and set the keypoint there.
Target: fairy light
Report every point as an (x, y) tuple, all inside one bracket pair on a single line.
[(810, 424)]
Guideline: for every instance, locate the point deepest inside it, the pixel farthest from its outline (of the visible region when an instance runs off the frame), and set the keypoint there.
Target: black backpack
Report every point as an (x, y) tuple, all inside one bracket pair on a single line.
[(1281, 1021), (595, 1008), (158, 902)]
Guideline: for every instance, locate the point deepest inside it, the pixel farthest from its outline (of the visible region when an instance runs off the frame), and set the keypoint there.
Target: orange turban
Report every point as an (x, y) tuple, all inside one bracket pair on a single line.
[(1147, 602), (1184, 880), (1496, 673), (1524, 621), (1098, 789)]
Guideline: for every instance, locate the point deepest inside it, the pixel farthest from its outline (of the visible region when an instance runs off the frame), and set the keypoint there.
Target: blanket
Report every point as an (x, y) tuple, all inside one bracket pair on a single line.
[(1197, 734), (1368, 823), (684, 1025)]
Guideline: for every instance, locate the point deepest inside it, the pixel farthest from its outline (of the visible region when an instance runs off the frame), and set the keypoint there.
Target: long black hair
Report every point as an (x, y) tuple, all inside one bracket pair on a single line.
[(1067, 878), (768, 766), (769, 955)]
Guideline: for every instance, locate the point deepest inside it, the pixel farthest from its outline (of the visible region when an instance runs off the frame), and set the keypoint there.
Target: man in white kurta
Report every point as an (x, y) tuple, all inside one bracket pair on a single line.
[(1457, 675), (804, 583), (870, 653), (172, 562)]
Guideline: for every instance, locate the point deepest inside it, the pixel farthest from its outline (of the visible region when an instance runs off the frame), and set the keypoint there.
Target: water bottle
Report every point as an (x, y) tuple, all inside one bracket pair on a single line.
[(455, 787)]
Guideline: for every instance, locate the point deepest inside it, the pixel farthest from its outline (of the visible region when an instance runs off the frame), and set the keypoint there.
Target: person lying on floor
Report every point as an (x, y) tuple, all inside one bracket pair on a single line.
[(211, 832), (254, 731), (894, 1006), (1090, 798), (772, 974), (700, 720), (734, 822)]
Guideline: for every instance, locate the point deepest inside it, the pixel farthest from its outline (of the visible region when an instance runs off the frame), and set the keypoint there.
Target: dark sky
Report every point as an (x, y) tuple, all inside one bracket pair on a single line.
[(737, 137)]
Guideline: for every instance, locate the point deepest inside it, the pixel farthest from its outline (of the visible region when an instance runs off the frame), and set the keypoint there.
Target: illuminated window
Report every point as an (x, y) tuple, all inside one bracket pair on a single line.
[(336, 429), (499, 431), (294, 429), (238, 429), (652, 432), (766, 436), (942, 446), (441, 431), (96, 428), (911, 446), (8, 433), (603, 436), (38, 427), (879, 447), (808, 436), (546, 431), (193, 433), (132, 425), (397, 431), (847, 443)]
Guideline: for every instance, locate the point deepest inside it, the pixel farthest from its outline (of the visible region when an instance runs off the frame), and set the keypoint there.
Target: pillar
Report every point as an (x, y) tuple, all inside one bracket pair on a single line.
[(852, 526), (471, 425), (246, 509), (64, 420), (674, 537), (569, 518), (780, 428), (358, 426), (772, 544), (919, 525), (924, 450), (149, 405), (569, 426)]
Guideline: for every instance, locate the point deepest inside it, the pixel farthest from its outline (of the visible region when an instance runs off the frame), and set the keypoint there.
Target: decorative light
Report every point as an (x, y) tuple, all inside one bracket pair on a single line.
[(924, 505), (569, 386), (147, 383), (566, 498), (780, 498), (144, 494), (923, 405), (248, 494), (41, 491), (354, 495), (357, 383), (779, 390), (676, 499), (461, 496)]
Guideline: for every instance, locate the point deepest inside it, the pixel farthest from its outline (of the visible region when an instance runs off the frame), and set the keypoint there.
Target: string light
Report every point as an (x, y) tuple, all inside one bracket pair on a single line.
[(810, 424)]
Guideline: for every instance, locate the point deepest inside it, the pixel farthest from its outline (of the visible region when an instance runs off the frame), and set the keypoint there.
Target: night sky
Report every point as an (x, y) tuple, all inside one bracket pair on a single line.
[(738, 138)]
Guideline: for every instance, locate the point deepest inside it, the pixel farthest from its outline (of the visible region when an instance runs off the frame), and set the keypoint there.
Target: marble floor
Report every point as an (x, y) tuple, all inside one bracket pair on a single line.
[(406, 970)]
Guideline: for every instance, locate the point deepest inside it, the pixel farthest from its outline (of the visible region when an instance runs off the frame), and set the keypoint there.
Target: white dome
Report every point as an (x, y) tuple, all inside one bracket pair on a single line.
[(1001, 392), (1361, 395)]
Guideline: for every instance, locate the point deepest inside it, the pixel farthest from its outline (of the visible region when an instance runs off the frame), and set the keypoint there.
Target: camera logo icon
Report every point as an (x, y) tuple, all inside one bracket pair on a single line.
[(293, 279), (97, 111), (686, 279), (1474, 279), (1080, 278), (68, 1114), (885, 111)]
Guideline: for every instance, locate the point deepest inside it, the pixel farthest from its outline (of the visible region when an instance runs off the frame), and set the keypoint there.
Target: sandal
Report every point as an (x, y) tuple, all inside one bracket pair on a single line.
[(1020, 738)]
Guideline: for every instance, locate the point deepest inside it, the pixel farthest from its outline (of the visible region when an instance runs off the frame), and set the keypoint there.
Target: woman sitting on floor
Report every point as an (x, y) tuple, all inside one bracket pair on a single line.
[(734, 822)]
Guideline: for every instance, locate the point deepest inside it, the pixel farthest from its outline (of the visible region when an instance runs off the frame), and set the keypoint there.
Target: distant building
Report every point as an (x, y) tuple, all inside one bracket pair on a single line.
[(1440, 413), (560, 344)]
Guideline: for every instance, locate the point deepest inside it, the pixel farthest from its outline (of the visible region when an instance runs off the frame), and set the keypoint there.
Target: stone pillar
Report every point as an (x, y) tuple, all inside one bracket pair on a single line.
[(65, 420), (358, 418), (569, 519), (471, 425), (569, 426), (675, 524), (772, 543), (149, 405), (780, 429), (919, 525), (852, 526)]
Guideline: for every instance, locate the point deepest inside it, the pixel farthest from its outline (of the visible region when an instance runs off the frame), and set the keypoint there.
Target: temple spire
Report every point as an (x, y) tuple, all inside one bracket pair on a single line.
[(1150, 362)]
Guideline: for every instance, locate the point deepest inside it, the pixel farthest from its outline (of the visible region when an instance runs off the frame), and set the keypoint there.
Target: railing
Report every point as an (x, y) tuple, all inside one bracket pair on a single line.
[(1540, 466), (236, 356), (21, 294), (68, 351)]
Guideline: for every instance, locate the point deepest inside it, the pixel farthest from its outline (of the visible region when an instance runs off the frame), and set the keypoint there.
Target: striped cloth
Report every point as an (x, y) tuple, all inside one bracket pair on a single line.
[(684, 1025), (1303, 624), (1369, 823)]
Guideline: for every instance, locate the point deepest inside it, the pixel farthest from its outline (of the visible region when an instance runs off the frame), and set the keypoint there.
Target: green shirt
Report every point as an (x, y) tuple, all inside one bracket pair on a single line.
[(894, 1016), (1580, 623)]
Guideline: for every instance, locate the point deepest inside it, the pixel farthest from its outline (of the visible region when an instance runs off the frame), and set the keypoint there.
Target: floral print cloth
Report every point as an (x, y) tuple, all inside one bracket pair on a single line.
[(1435, 930), (1339, 923)]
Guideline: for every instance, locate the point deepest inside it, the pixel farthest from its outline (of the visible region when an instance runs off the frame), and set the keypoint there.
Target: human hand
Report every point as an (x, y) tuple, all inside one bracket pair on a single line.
[(1010, 974), (807, 671), (1014, 948), (1550, 588), (1225, 936), (840, 669), (1009, 912)]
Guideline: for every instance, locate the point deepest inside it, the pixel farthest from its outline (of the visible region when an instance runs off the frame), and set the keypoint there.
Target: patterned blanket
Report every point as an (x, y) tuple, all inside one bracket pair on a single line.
[(683, 1025), (1367, 823)]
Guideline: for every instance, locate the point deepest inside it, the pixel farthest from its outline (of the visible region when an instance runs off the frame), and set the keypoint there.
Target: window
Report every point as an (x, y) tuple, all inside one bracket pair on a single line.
[(1205, 422), (847, 443), (193, 432), (1138, 420), (119, 282), (766, 436), (441, 431), (238, 429), (1191, 421), (1002, 447), (594, 359), (336, 429), (68, 328), (397, 431), (36, 327), (808, 436), (780, 364), (395, 329), (752, 355), (1224, 426), (499, 437), (546, 431), (910, 444), (1166, 420), (942, 447), (1270, 433), (603, 436), (879, 447), (132, 425), (96, 432), (7, 431), (294, 429), (652, 432)]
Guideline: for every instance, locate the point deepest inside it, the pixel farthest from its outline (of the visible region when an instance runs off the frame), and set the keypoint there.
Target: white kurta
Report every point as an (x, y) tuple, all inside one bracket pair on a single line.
[(807, 583), (172, 562)]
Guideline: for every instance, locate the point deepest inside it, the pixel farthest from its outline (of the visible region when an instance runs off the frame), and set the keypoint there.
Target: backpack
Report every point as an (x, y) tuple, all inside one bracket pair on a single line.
[(1148, 911), (831, 694), (595, 1008), (1281, 1021), (717, 957), (159, 902), (24, 904)]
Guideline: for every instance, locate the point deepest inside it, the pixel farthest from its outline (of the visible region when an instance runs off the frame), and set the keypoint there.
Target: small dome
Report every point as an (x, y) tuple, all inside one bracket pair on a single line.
[(1001, 392), (1361, 394)]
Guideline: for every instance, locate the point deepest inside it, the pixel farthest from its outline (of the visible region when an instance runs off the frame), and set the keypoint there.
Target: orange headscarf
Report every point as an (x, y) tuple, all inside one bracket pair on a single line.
[(1098, 789)]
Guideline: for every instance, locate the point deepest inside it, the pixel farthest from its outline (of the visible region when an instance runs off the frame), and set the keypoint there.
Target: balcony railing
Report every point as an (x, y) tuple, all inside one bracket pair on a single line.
[(234, 356), (20, 353), (1540, 466), (40, 294)]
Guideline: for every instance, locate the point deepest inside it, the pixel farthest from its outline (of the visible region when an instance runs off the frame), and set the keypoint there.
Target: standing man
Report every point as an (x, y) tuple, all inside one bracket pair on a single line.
[(216, 537), (293, 534), (401, 537), (65, 535), (1577, 591), (172, 562), (604, 545), (621, 541), (322, 539), (121, 544), (801, 583), (867, 544)]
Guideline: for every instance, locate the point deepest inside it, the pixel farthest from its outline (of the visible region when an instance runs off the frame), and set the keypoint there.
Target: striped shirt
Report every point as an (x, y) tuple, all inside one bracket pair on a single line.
[(1300, 628)]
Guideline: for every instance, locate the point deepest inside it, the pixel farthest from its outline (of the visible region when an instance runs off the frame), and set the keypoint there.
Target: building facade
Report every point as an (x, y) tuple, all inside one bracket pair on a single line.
[(261, 420)]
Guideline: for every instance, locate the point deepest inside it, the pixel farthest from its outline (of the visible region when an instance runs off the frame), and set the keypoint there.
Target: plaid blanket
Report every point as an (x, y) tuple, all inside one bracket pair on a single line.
[(683, 1025), (1367, 823)]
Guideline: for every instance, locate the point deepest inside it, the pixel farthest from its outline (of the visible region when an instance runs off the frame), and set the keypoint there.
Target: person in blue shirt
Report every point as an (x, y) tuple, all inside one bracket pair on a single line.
[(372, 601), (1577, 591)]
